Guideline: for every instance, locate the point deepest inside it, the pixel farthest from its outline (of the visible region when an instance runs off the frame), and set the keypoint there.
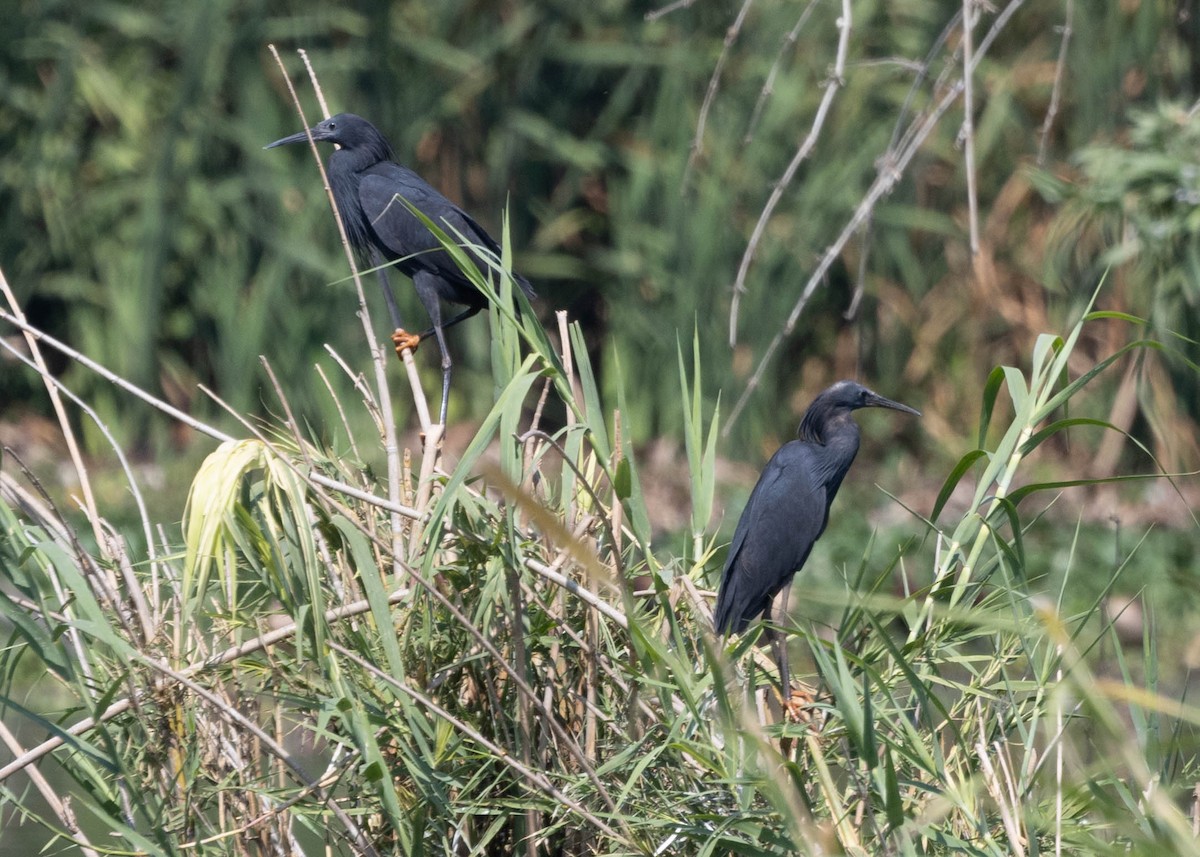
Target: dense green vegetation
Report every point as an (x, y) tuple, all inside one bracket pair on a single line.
[(354, 641), (144, 222)]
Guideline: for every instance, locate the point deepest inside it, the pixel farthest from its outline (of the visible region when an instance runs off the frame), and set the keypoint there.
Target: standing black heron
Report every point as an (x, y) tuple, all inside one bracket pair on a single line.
[(370, 190), (789, 508)]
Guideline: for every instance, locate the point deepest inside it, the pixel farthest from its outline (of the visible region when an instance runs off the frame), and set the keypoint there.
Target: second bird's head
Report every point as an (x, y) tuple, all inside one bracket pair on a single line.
[(345, 129), (836, 403), (850, 395)]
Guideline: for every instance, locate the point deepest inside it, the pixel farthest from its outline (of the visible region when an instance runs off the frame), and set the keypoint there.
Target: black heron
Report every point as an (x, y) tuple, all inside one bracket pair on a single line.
[(789, 508), (368, 186)]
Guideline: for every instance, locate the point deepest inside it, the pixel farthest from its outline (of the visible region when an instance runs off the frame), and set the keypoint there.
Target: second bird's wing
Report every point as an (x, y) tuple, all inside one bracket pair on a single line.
[(784, 516)]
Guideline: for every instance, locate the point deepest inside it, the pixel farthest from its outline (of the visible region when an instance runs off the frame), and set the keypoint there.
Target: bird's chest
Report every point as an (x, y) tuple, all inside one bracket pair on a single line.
[(354, 219)]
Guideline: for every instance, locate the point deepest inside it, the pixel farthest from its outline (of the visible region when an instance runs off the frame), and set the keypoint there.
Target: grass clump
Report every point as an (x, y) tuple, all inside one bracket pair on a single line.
[(498, 661)]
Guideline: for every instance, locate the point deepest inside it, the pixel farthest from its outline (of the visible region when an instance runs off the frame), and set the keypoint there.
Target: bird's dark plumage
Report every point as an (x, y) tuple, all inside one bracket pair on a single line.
[(789, 507), (368, 186)]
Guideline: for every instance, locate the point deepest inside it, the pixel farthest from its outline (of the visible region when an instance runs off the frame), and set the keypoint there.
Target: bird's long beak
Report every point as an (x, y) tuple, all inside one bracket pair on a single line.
[(874, 400), (302, 137)]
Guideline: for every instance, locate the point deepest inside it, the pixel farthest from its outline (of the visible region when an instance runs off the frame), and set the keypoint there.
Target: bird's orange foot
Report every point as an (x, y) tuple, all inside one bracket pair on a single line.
[(800, 707), (405, 341)]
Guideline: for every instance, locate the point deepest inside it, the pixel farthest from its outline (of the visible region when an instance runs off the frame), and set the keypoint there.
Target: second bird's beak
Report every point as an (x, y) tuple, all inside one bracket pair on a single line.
[(874, 400), (302, 137)]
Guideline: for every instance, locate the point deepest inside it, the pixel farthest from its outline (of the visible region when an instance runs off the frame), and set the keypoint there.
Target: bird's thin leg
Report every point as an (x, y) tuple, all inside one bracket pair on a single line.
[(401, 338), (462, 316), (785, 679), (446, 365), (389, 296), (426, 285)]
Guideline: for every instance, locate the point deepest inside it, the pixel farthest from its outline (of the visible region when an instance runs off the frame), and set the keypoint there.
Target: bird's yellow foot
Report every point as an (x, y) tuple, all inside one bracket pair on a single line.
[(403, 340)]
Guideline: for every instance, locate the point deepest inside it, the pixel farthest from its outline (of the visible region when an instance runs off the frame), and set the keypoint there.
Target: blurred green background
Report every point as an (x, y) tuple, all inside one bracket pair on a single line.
[(144, 223)]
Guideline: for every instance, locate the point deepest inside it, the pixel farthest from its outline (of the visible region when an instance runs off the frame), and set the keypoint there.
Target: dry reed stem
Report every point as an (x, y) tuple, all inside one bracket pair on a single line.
[(58, 805), (147, 615), (391, 445), (537, 778), (968, 126)]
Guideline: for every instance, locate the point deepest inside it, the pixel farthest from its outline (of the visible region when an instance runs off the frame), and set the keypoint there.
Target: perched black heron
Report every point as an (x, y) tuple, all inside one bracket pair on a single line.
[(370, 188), (789, 508)]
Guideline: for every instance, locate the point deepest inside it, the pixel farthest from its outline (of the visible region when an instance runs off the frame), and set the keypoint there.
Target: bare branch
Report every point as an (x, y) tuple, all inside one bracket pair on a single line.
[(655, 14), (1056, 92), (832, 85), (891, 167), (713, 82), (769, 85)]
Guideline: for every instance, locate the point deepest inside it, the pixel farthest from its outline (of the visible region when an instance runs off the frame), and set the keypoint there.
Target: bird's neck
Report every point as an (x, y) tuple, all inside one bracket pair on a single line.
[(824, 430), (361, 157)]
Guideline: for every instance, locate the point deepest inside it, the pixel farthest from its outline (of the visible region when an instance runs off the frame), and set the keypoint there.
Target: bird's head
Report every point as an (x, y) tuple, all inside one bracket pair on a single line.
[(345, 129), (836, 403)]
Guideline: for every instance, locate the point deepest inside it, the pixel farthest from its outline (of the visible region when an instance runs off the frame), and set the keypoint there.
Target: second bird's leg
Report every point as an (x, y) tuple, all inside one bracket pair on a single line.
[(426, 285), (446, 366), (781, 653)]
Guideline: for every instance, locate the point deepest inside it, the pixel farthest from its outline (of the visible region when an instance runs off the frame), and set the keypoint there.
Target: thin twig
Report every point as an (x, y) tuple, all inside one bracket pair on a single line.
[(731, 35), (290, 417), (860, 281), (996, 790), (86, 566), (337, 403), (1056, 92), (57, 805), (360, 384), (968, 126), (64, 422), (655, 14), (148, 618), (892, 167), (902, 126), (112, 377), (312, 76), (768, 88), (835, 82), (575, 589)]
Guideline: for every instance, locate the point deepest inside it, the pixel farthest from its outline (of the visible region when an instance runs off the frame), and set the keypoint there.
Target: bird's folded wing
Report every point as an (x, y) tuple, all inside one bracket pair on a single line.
[(785, 515)]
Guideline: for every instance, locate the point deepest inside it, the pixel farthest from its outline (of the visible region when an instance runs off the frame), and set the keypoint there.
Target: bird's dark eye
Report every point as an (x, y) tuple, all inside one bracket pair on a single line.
[(332, 125)]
